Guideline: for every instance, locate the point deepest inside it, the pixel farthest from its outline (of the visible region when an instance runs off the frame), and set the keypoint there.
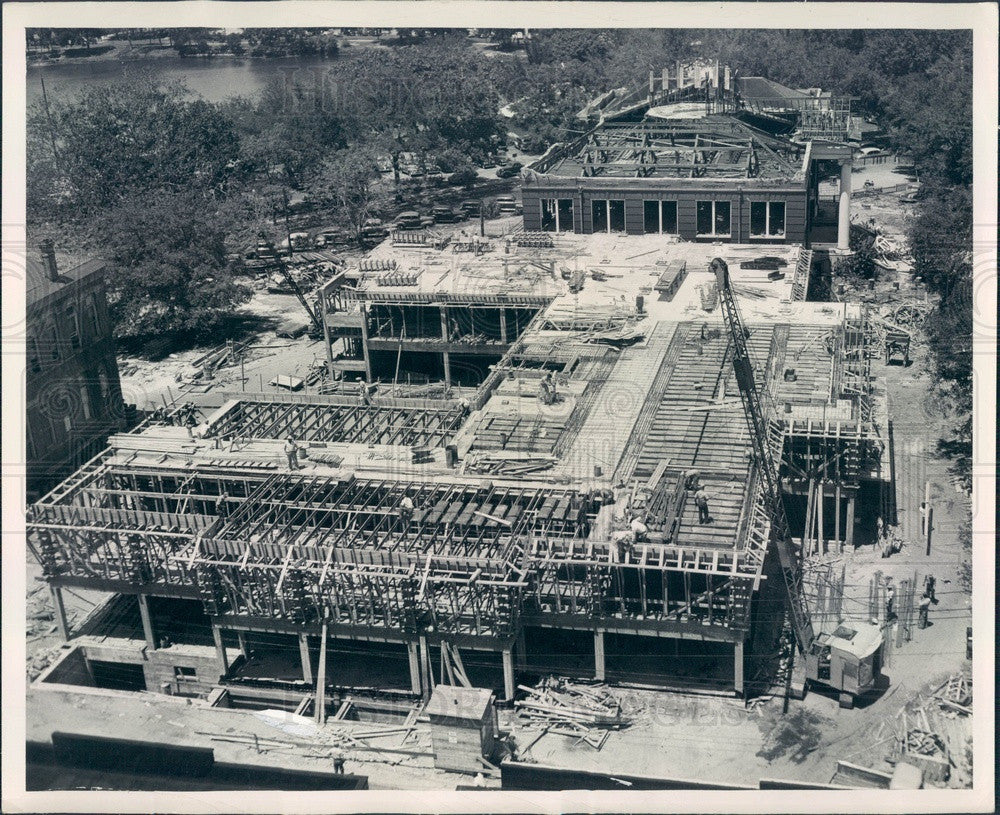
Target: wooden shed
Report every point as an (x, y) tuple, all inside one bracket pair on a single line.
[(463, 727)]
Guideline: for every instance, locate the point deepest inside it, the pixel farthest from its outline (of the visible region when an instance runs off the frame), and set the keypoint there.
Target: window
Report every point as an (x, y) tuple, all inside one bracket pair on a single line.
[(557, 214), (95, 315), (564, 215), (659, 217), (767, 219), (53, 335), (599, 212), (609, 216), (85, 402), (34, 356), (73, 322), (182, 674), (713, 218), (668, 217), (548, 215)]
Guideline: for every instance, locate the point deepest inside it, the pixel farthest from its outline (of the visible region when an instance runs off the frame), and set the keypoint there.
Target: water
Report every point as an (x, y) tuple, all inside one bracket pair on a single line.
[(214, 80)]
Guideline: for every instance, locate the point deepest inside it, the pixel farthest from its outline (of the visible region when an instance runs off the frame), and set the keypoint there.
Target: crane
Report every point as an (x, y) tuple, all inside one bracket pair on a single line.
[(849, 658), (316, 325)]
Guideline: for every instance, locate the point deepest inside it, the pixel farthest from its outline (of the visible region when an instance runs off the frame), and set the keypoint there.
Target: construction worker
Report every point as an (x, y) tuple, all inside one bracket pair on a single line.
[(364, 397), (691, 479), (929, 584), (405, 512), (640, 532), (624, 539), (923, 608), (701, 501), (338, 764), (222, 506), (292, 451), (890, 599), (548, 389)]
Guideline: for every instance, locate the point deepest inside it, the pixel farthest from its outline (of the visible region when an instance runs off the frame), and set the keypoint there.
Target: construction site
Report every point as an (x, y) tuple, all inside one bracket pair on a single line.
[(573, 489)]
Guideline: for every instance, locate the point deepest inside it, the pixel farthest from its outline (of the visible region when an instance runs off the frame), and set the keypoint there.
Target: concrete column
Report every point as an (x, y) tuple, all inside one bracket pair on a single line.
[(147, 622), (849, 531), (425, 669), (413, 652), (307, 673), (599, 656), (364, 342), (844, 216), (324, 311), (220, 649), (444, 354), (738, 667), (508, 673), (57, 602), (503, 325)]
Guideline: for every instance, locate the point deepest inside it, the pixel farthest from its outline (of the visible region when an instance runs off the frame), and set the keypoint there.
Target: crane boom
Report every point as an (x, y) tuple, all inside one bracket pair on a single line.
[(291, 282), (767, 466)]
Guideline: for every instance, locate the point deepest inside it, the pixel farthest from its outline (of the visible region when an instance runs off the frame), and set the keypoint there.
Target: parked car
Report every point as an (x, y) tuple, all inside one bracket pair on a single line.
[(509, 170), (372, 236), (446, 215), (506, 205), (408, 220), (335, 237), (426, 221), (471, 208)]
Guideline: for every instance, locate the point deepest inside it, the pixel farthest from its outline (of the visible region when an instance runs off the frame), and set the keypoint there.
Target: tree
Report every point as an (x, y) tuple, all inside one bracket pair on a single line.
[(115, 139), (168, 273), (347, 180), (234, 44)]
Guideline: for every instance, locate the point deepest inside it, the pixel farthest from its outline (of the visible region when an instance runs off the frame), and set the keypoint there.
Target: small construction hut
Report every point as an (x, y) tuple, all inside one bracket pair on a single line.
[(463, 727)]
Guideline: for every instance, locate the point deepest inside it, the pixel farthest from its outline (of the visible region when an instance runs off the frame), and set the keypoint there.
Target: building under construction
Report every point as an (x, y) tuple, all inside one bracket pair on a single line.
[(524, 398), (520, 492)]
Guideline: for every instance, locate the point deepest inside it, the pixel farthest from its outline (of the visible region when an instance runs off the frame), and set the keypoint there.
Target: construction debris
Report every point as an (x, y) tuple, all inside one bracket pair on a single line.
[(572, 709)]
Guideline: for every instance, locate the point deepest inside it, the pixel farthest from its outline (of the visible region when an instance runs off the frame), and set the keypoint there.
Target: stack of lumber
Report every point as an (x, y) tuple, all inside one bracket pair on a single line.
[(570, 709), (510, 465)]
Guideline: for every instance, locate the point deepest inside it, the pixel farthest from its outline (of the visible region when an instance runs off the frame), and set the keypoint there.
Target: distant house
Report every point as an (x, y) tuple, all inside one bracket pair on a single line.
[(73, 391)]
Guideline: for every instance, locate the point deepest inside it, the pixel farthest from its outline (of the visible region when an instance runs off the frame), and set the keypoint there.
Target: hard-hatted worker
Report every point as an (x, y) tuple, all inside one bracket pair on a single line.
[(929, 584), (222, 505), (923, 608), (701, 501), (364, 396), (692, 479), (292, 451), (405, 512), (640, 531)]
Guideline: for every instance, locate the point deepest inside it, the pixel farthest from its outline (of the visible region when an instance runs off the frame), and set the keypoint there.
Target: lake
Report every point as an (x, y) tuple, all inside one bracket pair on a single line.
[(214, 80)]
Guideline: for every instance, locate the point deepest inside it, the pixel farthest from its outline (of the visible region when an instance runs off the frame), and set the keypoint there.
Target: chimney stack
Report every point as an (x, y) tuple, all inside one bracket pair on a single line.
[(49, 259)]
